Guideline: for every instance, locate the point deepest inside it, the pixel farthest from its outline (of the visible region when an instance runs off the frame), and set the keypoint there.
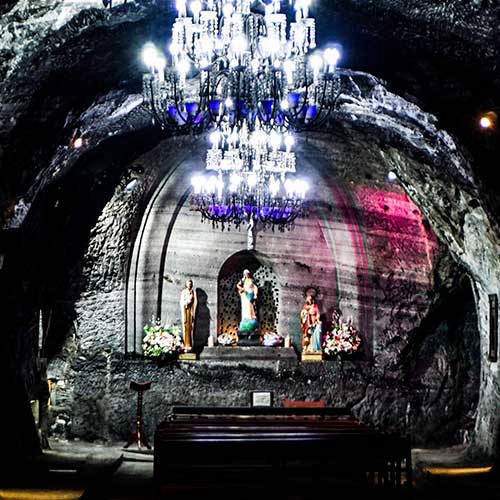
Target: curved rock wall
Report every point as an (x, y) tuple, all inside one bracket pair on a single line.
[(368, 250)]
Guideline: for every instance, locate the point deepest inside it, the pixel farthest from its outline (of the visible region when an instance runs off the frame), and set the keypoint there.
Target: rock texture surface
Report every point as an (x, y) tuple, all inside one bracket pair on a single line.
[(419, 365), (65, 72)]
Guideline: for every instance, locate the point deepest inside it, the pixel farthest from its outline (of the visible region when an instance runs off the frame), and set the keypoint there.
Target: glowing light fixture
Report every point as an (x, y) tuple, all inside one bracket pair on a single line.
[(250, 75), (250, 175), (488, 120), (258, 59)]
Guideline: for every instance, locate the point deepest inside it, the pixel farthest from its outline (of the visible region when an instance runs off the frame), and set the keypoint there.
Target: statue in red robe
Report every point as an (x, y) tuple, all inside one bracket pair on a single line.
[(310, 324)]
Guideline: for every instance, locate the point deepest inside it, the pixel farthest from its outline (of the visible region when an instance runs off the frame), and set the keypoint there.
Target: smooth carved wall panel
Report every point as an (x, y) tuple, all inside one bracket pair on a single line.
[(374, 263)]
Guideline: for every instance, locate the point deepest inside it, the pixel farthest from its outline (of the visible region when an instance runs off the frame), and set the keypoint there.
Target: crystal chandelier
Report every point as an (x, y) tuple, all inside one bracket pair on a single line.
[(250, 178), (231, 64)]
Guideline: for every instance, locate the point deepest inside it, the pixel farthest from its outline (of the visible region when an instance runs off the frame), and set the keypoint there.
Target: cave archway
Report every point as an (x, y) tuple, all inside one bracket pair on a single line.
[(409, 142)]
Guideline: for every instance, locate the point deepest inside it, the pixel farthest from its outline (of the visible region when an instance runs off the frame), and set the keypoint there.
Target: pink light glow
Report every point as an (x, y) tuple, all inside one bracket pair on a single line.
[(398, 234)]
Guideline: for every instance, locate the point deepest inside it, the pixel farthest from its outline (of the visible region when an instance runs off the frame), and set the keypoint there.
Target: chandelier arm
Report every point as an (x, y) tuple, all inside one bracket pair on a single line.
[(317, 122), (153, 107), (276, 99), (218, 121), (307, 86), (188, 122), (316, 119), (246, 29), (176, 102), (156, 115), (204, 104), (293, 121), (237, 104), (303, 108)]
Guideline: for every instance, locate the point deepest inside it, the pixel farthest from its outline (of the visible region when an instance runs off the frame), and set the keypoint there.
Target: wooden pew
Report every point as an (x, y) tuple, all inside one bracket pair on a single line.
[(281, 439)]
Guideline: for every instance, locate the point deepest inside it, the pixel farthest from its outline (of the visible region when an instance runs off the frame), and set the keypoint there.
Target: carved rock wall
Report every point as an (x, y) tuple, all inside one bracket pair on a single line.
[(374, 255)]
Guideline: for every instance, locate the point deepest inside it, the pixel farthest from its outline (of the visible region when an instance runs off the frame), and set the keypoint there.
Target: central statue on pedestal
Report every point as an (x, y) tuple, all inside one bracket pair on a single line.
[(249, 333)]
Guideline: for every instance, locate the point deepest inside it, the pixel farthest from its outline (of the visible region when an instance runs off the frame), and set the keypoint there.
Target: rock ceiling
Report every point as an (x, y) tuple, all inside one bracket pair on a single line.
[(58, 57)]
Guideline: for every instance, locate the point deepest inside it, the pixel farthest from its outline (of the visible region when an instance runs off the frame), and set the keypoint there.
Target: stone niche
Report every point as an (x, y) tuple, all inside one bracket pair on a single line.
[(228, 302), (365, 247)]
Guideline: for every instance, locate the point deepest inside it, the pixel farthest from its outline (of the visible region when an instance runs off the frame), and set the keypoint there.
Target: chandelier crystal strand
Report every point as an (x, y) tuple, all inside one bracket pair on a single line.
[(222, 52)]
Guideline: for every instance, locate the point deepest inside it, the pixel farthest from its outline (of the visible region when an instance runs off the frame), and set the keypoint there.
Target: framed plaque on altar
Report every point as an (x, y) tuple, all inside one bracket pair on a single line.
[(261, 399)]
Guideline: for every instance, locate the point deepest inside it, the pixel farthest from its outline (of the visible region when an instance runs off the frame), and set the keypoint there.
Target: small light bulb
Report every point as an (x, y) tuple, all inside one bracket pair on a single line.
[(275, 140), (301, 188), (239, 45), (235, 182), (228, 10), (316, 62), (195, 7), (289, 142), (486, 122), (78, 142), (391, 176), (159, 63), (266, 46), (252, 180), (233, 138), (212, 184), (197, 183), (228, 102), (183, 67), (215, 139), (149, 54), (332, 57), (174, 49), (289, 187), (288, 68), (274, 185), (181, 7), (205, 63)]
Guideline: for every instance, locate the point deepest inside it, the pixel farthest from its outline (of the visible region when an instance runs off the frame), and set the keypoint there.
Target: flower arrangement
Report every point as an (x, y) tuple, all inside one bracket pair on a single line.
[(343, 339), (272, 340), (161, 341), (226, 339)]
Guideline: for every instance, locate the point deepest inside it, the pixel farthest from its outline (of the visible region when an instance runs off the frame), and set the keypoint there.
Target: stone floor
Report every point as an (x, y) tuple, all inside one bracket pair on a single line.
[(88, 471)]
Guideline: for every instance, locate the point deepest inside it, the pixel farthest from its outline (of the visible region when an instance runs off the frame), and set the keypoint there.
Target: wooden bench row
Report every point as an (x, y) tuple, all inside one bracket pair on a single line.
[(233, 438)]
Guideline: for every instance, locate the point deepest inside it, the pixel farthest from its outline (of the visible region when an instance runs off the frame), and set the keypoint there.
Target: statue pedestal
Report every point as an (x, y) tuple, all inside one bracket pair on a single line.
[(245, 340), (312, 357), (248, 353), (188, 356)]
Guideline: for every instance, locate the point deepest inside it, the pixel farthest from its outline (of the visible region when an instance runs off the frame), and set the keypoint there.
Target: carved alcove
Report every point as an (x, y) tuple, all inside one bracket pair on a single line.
[(228, 300)]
